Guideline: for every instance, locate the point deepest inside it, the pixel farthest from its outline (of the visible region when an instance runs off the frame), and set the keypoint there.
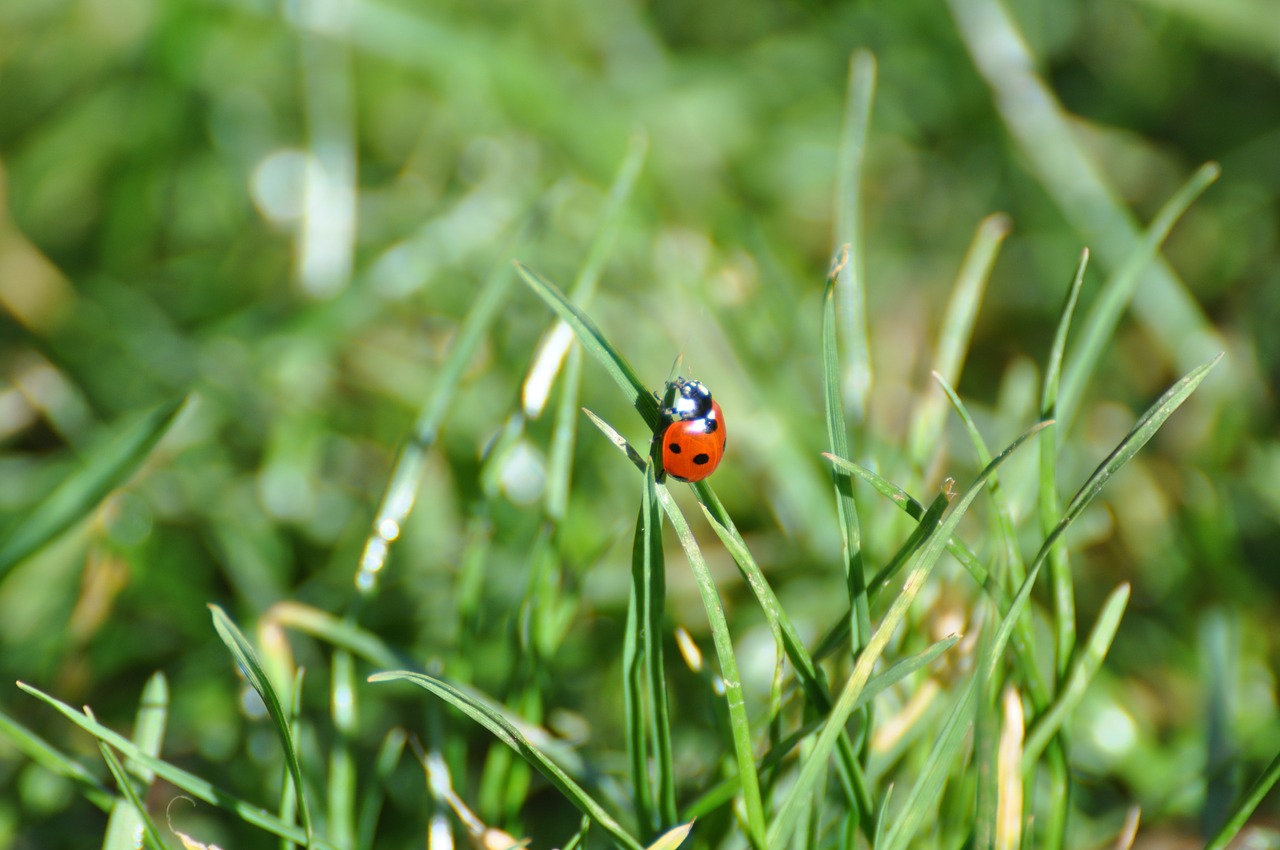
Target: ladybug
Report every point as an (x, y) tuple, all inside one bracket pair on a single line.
[(692, 431)]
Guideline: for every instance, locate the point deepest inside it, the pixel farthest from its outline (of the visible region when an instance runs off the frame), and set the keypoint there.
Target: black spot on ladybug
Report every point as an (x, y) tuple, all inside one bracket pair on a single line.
[(701, 458), (675, 448), (713, 424)]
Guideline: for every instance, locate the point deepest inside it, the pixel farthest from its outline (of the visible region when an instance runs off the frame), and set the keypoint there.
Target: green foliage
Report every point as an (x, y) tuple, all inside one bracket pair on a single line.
[(282, 335)]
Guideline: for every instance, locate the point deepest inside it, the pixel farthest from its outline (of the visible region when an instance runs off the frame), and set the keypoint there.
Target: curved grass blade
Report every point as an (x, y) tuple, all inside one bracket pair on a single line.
[(1138, 437), (595, 344), (47, 756), (125, 827), (504, 730), (784, 821), (1114, 299), (106, 467), (147, 830), (838, 442), (848, 226), (335, 631), (1095, 652), (194, 785), (957, 331), (1064, 604), (247, 659), (406, 477)]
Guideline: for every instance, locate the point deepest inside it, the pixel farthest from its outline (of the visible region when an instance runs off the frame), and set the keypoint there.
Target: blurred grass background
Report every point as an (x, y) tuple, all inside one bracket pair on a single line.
[(288, 209)]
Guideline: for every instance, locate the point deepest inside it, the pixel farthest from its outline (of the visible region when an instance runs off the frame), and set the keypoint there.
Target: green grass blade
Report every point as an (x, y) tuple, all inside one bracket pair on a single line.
[(848, 225), (146, 830), (106, 467), (564, 436), (1240, 815), (1057, 156), (838, 443), (125, 827), (506, 732), (384, 765), (335, 631), (957, 331), (655, 616), (1119, 291), (1063, 590), (595, 344), (633, 680), (1089, 661), (1142, 432), (194, 785), (734, 701), (406, 477), (247, 659), (783, 824), (47, 756)]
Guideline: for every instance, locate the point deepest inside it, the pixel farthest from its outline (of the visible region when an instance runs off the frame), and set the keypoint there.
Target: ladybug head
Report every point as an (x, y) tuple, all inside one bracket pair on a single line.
[(686, 400)]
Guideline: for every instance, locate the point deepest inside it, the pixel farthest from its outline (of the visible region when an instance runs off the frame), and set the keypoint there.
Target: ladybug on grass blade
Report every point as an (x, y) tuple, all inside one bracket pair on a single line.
[(692, 431)]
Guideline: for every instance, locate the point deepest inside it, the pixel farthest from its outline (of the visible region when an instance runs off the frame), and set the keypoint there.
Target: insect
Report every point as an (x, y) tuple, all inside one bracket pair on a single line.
[(692, 431)]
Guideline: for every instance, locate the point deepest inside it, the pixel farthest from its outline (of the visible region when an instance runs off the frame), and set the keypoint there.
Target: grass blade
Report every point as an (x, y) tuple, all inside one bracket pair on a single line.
[(655, 614), (247, 659), (194, 785), (738, 721), (633, 681), (848, 225), (44, 754), (384, 765), (1138, 437), (342, 780), (406, 477), (1090, 660), (1063, 590), (957, 330), (838, 443), (125, 827), (595, 344), (146, 827), (672, 838), (105, 468), (504, 730)]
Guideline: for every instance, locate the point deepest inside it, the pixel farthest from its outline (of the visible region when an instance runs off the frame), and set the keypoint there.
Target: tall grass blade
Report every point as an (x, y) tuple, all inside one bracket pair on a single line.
[(739, 724), (1043, 131), (1063, 591), (106, 467), (406, 476), (506, 732), (655, 615), (342, 780), (247, 659), (838, 443), (848, 225), (633, 679), (957, 331)]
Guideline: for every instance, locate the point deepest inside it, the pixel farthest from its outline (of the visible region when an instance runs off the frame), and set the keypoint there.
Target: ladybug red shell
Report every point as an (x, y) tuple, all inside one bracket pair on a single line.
[(693, 433)]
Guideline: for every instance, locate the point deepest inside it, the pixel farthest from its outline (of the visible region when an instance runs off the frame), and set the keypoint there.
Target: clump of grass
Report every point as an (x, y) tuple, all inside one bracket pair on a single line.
[(986, 764)]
